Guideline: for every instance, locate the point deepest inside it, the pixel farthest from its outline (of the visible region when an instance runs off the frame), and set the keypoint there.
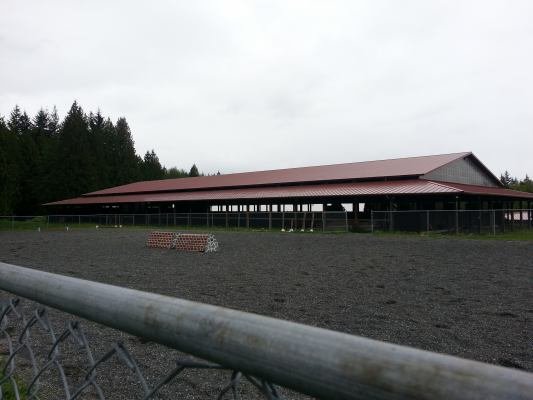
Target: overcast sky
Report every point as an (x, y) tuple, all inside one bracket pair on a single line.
[(244, 85)]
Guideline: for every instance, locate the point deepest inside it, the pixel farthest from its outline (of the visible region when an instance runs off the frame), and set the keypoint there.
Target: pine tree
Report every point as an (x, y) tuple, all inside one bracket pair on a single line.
[(151, 167), (44, 159), (19, 122), (9, 170), (47, 184), (194, 171), (174, 172), (53, 123), (525, 185), (75, 164), (125, 162), (101, 134), (506, 179)]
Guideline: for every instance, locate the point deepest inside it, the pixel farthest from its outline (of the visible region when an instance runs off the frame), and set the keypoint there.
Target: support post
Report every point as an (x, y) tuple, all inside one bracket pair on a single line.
[(355, 209), (346, 220), (391, 218), (456, 215), (427, 221), (529, 214), (270, 219)]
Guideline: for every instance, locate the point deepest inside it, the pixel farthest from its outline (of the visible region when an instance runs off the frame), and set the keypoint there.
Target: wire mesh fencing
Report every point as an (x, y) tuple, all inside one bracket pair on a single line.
[(252, 349), (282, 221), (437, 221), (28, 364), (491, 222)]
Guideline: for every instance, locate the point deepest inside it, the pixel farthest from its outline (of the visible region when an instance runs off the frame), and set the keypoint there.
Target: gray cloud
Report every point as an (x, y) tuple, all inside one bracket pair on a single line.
[(238, 85)]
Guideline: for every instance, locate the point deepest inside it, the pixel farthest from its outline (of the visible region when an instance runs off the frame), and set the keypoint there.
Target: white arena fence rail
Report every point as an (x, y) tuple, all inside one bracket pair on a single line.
[(491, 222), (264, 351), (282, 221)]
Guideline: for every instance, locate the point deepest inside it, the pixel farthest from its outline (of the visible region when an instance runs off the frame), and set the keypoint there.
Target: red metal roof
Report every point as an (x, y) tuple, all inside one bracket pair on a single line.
[(487, 191), (414, 186), (400, 187), (400, 167)]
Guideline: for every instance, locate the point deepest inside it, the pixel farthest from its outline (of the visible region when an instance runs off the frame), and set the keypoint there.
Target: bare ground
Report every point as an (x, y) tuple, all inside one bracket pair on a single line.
[(469, 298)]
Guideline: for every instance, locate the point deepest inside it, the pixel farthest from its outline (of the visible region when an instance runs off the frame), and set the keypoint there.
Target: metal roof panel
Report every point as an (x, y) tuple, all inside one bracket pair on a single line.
[(402, 187), (400, 167)]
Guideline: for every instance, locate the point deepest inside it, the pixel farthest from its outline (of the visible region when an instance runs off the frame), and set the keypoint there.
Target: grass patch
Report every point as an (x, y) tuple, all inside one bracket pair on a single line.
[(34, 224), (510, 235), (10, 224), (8, 391)]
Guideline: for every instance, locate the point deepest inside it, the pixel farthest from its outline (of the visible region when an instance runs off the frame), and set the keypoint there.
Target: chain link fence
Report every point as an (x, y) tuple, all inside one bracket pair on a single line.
[(490, 222), (254, 350), (435, 221), (329, 221), (29, 364)]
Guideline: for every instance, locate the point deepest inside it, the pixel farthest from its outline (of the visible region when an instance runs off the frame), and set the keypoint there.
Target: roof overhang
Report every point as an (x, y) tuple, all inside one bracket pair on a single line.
[(341, 190)]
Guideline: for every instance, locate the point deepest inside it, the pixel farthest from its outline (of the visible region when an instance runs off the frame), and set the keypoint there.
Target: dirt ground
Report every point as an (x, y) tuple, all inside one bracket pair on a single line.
[(469, 298)]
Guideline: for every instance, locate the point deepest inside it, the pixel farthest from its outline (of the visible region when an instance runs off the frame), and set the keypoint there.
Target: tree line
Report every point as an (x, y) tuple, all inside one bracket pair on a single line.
[(511, 182), (43, 159)]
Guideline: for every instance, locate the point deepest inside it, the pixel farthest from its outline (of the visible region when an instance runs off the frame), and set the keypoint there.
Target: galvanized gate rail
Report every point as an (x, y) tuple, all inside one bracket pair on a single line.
[(314, 361)]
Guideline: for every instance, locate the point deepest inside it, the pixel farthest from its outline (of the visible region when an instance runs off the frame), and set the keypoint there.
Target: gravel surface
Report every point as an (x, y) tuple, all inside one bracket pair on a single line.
[(469, 298)]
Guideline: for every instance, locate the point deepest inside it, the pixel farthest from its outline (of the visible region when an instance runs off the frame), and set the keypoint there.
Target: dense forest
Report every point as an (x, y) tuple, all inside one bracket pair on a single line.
[(43, 159)]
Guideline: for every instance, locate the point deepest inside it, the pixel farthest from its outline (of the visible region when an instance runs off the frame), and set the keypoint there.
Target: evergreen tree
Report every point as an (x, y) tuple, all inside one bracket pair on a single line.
[(151, 167), (19, 123), (41, 124), (174, 172), (75, 163), (525, 185), (48, 181), (53, 123), (506, 179), (510, 182), (25, 154), (101, 135), (125, 163), (9, 170), (43, 159), (194, 171)]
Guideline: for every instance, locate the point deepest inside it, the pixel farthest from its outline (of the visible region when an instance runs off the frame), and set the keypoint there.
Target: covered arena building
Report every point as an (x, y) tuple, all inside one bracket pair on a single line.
[(457, 181)]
